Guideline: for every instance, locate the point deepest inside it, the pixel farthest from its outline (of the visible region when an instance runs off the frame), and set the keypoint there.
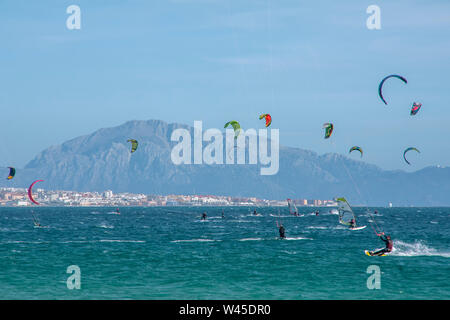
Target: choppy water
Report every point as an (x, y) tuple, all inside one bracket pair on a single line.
[(169, 253)]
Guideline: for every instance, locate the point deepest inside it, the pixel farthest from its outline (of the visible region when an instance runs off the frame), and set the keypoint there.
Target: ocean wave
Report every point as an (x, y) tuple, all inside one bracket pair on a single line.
[(251, 239), (118, 240), (418, 248), (297, 238), (24, 242), (105, 226), (286, 216), (195, 240)]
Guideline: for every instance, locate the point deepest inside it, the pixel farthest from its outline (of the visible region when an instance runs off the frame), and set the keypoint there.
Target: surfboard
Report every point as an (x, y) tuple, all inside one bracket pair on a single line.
[(369, 253), (358, 228)]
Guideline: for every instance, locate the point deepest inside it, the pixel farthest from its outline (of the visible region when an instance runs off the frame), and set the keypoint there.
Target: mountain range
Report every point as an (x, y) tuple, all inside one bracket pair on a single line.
[(102, 161)]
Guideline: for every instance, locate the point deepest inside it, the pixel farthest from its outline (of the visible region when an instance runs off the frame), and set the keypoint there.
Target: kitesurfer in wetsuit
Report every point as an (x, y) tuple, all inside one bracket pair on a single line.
[(281, 230), (223, 216), (389, 244), (255, 213), (317, 213), (204, 216), (352, 223)]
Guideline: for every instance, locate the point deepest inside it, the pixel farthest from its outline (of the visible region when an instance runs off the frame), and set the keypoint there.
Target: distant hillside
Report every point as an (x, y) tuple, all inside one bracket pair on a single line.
[(102, 160)]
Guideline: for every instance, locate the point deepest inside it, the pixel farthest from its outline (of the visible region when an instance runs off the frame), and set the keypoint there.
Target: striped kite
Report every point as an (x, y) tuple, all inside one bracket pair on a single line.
[(267, 117), (12, 173), (236, 127), (134, 145), (407, 150), (356, 148), (328, 129), (415, 108)]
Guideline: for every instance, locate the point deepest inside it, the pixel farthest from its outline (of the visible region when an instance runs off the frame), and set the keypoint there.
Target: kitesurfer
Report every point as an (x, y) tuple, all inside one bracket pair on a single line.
[(389, 244), (204, 216), (352, 223), (281, 230), (317, 213), (255, 213), (223, 216)]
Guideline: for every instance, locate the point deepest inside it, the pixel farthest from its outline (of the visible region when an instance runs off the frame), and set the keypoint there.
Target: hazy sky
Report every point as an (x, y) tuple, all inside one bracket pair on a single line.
[(304, 62)]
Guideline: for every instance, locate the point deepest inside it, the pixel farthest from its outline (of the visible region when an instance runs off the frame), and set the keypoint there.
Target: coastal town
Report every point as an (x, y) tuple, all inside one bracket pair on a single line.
[(18, 197)]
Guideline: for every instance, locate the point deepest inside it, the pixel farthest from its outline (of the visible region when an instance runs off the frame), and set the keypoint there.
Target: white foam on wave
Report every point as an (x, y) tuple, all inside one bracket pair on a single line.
[(318, 227), (105, 226), (286, 216), (289, 252), (130, 241), (418, 248), (73, 241), (195, 240), (102, 240), (251, 239), (297, 238), (25, 242)]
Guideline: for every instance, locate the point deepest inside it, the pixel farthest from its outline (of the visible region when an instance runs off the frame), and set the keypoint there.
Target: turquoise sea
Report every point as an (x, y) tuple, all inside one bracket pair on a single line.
[(169, 253)]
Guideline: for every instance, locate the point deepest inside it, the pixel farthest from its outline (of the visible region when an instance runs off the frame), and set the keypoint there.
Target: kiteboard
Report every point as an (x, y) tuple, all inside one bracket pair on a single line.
[(370, 254), (358, 228), (36, 226)]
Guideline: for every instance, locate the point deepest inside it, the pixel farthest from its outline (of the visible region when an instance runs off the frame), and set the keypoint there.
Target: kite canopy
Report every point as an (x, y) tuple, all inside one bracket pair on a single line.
[(292, 208), (30, 194), (236, 127), (346, 214), (415, 108), (356, 148), (134, 145), (380, 87), (267, 117), (328, 129), (407, 150), (12, 173)]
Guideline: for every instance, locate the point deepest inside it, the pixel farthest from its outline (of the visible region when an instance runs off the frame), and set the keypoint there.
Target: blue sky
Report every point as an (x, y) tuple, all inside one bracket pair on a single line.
[(304, 62)]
